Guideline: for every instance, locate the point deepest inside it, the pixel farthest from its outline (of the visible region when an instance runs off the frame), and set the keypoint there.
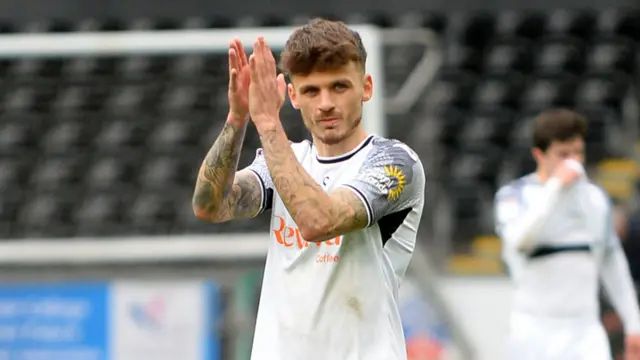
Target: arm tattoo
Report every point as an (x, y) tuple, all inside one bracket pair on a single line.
[(352, 213), (220, 193), (321, 215)]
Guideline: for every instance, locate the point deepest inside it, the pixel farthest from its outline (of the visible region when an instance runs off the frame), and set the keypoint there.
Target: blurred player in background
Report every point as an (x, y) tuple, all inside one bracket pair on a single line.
[(345, 208), (558, 240)]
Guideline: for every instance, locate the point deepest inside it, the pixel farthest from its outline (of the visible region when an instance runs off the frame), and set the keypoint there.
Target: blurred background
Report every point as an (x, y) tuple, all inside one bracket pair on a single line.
[(107, 109)]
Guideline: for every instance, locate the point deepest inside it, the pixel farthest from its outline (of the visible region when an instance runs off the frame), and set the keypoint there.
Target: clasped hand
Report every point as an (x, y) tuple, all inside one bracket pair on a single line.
[(267, 89)]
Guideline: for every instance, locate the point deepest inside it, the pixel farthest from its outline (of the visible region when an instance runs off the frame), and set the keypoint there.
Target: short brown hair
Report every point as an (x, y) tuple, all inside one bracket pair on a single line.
[(321, 45), (557, 125)]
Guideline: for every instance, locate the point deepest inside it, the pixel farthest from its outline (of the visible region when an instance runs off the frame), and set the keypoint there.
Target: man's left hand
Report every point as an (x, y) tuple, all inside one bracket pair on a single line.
[(267, 89), (632, 347)]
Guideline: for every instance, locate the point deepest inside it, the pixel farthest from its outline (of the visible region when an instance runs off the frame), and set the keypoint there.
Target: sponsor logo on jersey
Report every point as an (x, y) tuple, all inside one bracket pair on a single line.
[(388, 180), (397, 181), (290, 237)]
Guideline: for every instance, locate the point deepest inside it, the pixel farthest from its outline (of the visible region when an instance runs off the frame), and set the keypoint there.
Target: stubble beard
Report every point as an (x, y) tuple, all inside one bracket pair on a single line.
[(333, 139)]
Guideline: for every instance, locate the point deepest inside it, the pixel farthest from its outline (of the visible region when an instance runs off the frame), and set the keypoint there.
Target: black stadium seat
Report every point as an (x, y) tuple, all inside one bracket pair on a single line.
[(507, 56), (560, 55), (545, 92), (612, 55), (607, 91), (498, 92), (579, 24)]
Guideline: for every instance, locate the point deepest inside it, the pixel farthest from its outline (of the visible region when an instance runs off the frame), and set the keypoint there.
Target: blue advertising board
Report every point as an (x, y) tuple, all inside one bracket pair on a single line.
[(99, 321), (54, 322)]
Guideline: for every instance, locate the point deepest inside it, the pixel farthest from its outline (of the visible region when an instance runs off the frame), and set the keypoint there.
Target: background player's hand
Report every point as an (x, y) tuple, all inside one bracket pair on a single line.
[(568, 172), (267, 89), (632, 347), (238, 83)]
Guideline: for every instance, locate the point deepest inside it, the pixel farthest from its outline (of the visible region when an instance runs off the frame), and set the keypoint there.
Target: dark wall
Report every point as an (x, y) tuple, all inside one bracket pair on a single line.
[(29, 10)]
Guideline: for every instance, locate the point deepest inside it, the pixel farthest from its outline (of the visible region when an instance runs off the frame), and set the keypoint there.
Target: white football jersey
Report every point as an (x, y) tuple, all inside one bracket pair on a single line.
[(338, 299), (559, 277)]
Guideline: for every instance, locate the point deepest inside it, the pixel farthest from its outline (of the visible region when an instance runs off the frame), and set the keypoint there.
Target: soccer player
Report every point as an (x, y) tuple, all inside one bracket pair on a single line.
[(344, 208), (558, 241)]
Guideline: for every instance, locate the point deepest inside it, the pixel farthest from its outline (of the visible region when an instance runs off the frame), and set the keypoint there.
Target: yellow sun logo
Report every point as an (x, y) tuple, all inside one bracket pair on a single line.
[(397, 181)]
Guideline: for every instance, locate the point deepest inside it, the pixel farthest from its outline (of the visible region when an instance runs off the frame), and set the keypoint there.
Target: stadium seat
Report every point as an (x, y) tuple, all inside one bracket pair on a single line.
[(604, 91), (19, 134), (126, 99), (174, 133), (27, 68), (101, 214), (612, 55), (498, 92), (164, 172), (487, 126), (546, 92), (58, 172), (460, 57), (188, 67), (450, 90), (152, 214), (19, 100), (620, 21), (520, 24), (564, 22), (560, 56), (111, 171), (479, 163), (507, 56), (47, 215), (120, 132), (68, 136)]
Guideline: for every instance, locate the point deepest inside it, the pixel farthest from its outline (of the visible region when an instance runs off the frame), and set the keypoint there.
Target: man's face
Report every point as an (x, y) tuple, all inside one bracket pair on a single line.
[(559, 151), (330, 102)]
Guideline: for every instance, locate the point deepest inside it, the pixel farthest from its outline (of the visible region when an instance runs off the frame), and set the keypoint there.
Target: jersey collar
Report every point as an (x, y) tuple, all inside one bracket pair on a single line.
[(347, 156)]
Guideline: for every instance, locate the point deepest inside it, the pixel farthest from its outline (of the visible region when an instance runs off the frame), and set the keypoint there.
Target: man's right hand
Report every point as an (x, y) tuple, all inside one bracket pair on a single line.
[(568, 171), (238, 84)]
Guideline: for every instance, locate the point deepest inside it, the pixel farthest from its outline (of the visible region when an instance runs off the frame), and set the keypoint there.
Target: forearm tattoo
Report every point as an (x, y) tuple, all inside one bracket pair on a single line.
[(306, 201), (220, 195)]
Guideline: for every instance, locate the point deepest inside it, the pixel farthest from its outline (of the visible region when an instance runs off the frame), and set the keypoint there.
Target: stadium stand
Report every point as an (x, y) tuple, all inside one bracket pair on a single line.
[(111, 146)]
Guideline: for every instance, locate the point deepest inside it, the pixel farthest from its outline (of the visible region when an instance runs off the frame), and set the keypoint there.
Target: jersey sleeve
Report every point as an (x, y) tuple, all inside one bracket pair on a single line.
[(517, 226), (507, 208), (614, 269), (259, 168), (391, 179)]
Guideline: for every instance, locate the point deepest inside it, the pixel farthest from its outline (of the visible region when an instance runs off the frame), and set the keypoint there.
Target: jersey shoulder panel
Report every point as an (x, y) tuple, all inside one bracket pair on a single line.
[(514, 188), (390, 179), (384, 147)]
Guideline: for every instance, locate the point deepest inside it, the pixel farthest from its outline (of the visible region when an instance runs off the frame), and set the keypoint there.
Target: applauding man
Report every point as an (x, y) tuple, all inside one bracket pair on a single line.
[(345, 208)]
